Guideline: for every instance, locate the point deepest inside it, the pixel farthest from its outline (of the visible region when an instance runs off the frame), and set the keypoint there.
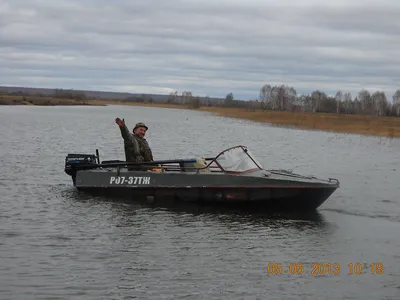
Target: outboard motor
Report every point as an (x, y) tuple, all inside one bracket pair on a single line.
[(75, 162)]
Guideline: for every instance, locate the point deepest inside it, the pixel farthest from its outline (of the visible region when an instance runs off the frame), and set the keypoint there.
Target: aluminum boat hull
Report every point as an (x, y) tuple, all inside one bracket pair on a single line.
[(233, 178), (264, 190)]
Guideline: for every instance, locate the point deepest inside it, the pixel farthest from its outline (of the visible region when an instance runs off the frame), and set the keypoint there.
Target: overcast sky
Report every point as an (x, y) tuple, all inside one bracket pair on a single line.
[(207, 47)]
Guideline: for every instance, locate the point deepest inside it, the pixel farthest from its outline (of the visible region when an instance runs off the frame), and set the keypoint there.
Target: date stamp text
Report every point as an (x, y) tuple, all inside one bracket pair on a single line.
[(319, 268)]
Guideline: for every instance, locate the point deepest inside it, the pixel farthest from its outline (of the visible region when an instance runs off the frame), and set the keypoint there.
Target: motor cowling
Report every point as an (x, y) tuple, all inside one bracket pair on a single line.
[(73, 162)]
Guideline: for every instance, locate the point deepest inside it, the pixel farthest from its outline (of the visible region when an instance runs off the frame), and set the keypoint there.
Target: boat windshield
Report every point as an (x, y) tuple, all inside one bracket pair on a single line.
[(237, 160)]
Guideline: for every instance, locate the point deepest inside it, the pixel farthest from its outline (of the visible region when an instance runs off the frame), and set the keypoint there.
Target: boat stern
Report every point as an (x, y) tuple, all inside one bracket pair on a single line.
[(75, 162)]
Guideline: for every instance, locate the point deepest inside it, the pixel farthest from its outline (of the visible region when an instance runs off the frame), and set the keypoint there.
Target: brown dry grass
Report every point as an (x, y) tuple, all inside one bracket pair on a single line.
[(359, 124)]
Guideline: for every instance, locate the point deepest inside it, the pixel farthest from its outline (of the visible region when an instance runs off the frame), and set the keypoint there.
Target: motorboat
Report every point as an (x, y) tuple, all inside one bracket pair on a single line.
[(233, 178)]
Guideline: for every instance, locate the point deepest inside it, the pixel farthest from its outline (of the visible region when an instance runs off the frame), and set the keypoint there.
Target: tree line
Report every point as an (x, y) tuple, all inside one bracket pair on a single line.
[(58, 93), (285, 98), (276, 97)]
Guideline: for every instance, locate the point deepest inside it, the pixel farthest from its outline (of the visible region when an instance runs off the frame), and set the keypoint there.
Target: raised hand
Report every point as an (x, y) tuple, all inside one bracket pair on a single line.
[(121, 123)]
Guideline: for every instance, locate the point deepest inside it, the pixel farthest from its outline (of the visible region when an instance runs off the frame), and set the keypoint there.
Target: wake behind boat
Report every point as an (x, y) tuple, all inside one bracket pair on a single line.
[(233, 178)]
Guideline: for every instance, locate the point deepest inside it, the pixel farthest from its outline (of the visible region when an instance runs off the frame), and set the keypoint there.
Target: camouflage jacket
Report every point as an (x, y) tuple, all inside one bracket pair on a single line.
[(136, 147), (144, 148)]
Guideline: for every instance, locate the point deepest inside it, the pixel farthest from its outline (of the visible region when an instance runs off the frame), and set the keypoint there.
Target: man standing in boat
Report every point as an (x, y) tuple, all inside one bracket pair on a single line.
[(136, 147)]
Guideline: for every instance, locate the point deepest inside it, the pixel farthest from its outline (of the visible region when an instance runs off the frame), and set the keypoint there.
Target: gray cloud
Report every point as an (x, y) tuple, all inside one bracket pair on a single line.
[(208, 47)]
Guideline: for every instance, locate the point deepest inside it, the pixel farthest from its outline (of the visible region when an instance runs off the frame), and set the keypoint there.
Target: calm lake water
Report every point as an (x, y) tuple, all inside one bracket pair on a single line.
[(57, 244)]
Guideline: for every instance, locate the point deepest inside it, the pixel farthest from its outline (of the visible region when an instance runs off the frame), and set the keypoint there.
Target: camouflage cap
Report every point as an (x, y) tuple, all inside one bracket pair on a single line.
[(140, 124)]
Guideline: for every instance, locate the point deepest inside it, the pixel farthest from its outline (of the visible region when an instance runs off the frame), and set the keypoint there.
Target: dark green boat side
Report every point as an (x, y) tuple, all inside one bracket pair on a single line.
[(233, 178)]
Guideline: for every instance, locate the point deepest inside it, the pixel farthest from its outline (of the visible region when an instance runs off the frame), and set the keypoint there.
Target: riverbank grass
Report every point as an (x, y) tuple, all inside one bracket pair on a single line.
[(357, 124)]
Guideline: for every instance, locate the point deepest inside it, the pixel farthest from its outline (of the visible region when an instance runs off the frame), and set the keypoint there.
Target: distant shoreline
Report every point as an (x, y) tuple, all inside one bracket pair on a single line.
[(44, 101), (330, 122)]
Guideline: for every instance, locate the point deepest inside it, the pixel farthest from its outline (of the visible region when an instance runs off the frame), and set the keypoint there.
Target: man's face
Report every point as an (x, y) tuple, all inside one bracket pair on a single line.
[(140, 131)]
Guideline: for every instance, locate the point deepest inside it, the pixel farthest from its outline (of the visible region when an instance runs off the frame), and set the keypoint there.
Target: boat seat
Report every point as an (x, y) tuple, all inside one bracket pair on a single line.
[(197, 163)]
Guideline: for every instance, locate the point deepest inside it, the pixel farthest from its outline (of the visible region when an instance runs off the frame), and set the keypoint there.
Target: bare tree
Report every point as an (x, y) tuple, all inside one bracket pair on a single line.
[(172, 97), (339, 99), (266, 94), (367, 105), (186, 97), (289, 96), (306, 102), (318, 98), (229, 99), (278, 97), (396, 97), (379, 103), (348, 103), (396, 109)]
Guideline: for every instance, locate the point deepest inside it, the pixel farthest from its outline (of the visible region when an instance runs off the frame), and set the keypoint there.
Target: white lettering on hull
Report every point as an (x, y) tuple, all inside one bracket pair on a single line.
[(133, 180)]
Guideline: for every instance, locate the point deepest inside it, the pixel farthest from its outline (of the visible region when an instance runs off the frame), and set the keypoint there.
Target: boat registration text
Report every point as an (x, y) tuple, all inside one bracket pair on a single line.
[(129, 180)]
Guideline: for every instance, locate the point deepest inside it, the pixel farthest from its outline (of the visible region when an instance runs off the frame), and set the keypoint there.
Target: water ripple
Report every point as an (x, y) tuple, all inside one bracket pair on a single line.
[(56, 243)]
